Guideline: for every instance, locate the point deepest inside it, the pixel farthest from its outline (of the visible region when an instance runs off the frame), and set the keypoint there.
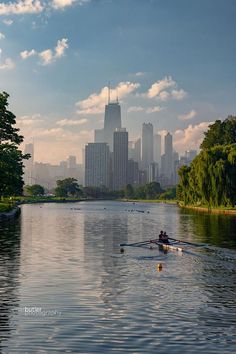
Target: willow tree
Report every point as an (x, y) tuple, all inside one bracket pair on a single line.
[(11, 158)]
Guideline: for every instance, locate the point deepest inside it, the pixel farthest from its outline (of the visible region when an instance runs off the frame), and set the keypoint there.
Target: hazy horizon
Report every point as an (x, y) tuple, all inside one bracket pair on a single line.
[(172, 64)]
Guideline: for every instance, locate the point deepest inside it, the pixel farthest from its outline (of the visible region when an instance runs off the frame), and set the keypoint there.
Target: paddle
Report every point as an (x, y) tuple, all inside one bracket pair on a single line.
[(188, 243), (137, 243)]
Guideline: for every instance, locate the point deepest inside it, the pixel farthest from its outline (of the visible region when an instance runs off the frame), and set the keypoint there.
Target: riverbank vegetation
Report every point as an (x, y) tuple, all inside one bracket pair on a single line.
[(210, 180), (11, 158)]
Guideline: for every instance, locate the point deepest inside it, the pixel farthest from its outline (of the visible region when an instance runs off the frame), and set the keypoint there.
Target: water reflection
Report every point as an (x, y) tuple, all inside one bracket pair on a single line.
[(215, 229), (9, 276)]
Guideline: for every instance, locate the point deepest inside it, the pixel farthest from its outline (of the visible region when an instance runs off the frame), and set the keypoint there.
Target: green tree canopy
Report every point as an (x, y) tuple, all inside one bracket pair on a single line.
[(220, 133), (34, 190), (68, 187), (11, 158)]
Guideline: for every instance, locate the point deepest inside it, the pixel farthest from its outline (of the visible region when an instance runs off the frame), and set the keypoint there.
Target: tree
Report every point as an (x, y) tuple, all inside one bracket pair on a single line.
[(34, 190), (153, 190), (129, 191), (67, 187), (220, 133), (11, 158)]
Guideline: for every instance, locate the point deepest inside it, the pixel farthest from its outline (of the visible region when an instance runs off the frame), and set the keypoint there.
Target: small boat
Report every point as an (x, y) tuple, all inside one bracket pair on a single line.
[(164, 246)]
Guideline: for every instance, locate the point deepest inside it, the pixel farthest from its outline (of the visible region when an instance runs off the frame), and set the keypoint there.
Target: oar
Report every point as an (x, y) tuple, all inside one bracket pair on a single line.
[(137, 243), (189, 243)]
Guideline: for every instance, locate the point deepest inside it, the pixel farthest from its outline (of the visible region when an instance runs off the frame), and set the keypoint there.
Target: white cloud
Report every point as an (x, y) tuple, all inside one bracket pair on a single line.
[(178, 94), (60, 4), (140, 73), (21, 7), (191, 137), (188, 116), (48, 56), (29, 121), (8, 22), (135, 109), (62, 45), (26, 54), (2, 36), (154, 109), (95, 103), (7, 64), (159, 86), (164, 90), (71, 122)]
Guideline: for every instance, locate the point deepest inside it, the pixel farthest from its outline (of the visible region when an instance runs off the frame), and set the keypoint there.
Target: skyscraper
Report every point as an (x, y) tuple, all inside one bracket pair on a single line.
[(97, 165), (157, 148), (120, 158), (99, 136), (167, 158), (29, 164), (112, 122), (147, 145)]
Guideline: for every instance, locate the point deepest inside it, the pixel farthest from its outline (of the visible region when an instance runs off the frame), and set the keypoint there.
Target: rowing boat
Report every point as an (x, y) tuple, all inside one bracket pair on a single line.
[(162, 245), (168, 246)]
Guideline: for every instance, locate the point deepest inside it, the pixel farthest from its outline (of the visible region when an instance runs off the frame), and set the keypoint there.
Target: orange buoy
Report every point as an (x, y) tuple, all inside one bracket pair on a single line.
[(159, 267)]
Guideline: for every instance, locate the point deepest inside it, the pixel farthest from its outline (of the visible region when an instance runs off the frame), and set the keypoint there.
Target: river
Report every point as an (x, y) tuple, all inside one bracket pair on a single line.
[(66, 288)]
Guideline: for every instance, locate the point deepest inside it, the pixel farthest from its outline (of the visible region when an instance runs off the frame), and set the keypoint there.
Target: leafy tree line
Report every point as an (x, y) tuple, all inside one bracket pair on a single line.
[(211, 178), (11, 158)]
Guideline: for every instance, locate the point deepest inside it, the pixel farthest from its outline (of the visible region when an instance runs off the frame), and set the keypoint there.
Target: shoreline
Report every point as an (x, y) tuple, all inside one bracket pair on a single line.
[(10, 215), (209, 210)]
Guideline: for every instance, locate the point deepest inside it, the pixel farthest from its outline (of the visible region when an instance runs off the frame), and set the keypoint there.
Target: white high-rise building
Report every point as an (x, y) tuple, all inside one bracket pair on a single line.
[(147, 145), (97, 165), (120, 158), (153, 172)]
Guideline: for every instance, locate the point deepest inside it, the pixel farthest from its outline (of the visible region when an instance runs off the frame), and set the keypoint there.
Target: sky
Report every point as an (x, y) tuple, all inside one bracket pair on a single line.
[(172, 63)]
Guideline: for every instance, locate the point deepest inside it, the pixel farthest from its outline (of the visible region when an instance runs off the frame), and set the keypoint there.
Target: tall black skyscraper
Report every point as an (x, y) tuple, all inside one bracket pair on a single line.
[(112, 122), (120, 158)]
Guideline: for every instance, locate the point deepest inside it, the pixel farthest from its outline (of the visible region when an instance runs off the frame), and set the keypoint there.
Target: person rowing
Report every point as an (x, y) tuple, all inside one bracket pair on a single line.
[(163, 237)]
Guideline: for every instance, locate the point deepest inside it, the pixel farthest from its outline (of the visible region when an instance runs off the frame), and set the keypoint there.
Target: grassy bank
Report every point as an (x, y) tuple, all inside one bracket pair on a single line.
[(165, 201), (206, 209)]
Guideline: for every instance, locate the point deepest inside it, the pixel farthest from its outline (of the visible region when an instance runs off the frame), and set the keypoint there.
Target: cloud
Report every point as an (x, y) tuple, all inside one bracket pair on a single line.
[(135, 109), (2, 36), (8, 22), (7, 64), (95, 103), (178, 94), (21, 7), (29, 121), (71, 122), (139, 73), (190, 138), (154, 109), (60, 4), (159, 86), (188, 116), (26, 54), (48, 56), (164, 90)]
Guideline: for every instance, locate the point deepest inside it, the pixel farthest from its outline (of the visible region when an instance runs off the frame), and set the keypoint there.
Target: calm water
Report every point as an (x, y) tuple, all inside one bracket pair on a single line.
[(65, 287)]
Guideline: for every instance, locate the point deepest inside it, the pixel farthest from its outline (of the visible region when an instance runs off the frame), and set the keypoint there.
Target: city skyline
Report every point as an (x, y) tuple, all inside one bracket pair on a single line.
[(172, 64)]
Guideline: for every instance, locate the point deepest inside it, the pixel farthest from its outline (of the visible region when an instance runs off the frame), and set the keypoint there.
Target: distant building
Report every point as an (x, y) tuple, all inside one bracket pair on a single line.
[(112, 122), (120, 158), (97, 165), (133, 172), (29, 165), (137, 151), (147, 145), (157, 148), (153, 172), (167, 167), (190, 155), (99, 136)]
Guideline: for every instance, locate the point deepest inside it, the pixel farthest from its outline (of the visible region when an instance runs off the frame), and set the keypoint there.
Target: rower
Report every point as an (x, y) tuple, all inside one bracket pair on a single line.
[(161, 236), (165, 238)]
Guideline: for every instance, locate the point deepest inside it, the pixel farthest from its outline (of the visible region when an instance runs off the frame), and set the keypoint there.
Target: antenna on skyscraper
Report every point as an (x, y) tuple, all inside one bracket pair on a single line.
[(109, 92)]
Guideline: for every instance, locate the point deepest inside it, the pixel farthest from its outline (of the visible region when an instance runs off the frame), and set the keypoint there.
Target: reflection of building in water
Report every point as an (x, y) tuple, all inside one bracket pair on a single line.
[(9, 271), (103, 232)]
